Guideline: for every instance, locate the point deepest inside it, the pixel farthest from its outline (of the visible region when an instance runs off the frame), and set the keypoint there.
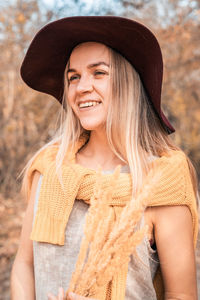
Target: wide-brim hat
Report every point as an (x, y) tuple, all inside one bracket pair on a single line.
[(45, 61)]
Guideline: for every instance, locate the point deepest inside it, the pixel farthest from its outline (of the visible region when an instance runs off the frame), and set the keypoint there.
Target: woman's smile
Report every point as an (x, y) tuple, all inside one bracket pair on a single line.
[(88, 103)]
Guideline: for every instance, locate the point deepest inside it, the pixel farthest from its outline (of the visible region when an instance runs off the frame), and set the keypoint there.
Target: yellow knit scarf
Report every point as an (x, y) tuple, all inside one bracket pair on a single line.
[(56, 202)]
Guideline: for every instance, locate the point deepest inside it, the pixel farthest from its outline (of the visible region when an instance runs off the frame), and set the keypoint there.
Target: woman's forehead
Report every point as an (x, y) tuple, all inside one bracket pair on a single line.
[(89, 52)]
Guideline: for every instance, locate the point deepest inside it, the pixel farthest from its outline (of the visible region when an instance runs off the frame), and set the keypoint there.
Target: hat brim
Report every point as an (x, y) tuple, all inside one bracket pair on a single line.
[(45, 61)]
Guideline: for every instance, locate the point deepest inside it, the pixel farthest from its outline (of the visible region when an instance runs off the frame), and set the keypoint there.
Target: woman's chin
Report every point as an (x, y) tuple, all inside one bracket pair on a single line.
[(92, 126)]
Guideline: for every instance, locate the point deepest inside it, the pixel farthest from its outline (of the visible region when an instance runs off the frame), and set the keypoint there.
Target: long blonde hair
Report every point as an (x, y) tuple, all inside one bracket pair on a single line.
[(133, 129)]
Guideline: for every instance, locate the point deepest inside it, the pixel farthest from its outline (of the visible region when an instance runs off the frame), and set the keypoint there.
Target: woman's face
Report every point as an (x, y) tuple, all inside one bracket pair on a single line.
[(89, 81)]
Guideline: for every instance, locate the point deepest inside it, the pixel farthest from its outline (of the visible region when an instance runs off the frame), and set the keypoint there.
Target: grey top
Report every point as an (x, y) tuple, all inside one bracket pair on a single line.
[(54, 264)]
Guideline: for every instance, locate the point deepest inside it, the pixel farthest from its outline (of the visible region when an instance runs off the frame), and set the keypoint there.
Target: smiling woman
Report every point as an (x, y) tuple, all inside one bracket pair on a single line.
[(107, 74), (88, 79)]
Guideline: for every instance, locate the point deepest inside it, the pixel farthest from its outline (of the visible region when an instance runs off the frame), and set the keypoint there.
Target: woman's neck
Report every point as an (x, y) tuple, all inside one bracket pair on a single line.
[(97, 152)]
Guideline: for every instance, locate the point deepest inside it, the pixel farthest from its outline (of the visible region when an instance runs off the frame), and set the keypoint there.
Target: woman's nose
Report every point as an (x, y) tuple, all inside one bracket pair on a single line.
[(85, 85)]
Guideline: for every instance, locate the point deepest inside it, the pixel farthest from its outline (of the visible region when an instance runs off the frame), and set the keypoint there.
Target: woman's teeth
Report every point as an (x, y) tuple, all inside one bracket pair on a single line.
[(87, 104)]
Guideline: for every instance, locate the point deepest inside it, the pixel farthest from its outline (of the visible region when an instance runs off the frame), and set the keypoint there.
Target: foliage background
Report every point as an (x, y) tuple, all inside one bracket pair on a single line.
[(28, 119)]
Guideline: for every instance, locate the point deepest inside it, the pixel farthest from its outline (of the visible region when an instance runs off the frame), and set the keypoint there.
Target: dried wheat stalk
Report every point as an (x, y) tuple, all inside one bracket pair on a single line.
[(107, 245)]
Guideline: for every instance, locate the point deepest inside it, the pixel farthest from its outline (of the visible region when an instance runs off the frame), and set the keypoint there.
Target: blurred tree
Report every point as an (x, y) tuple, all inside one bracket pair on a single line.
[(180, 44), (64, 8), (20, 116)]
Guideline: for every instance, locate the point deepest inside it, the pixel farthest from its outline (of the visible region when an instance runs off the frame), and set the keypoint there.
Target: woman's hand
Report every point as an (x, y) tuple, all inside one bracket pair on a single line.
[(71, 296)]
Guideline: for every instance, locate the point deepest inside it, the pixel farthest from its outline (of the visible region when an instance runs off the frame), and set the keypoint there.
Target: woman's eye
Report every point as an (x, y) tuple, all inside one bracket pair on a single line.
[(73, 77), (99, 73)]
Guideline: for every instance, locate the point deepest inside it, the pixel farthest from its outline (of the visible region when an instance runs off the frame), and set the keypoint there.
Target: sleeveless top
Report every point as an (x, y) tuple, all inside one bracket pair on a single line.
[(54, 264)]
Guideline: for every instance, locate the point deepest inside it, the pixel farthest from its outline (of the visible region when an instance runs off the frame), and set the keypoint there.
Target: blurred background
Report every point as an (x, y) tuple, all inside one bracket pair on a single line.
[(28, 119)]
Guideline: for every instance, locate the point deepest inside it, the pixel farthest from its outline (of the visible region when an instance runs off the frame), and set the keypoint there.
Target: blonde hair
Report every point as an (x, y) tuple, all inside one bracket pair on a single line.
[(133, 129)]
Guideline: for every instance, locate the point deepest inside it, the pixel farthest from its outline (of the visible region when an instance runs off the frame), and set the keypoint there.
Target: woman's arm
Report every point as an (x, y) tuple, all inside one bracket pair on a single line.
[(174, 240), (22, 275)]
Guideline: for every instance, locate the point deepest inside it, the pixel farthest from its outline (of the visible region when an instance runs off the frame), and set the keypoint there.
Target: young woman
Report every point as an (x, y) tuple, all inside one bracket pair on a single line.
[(107, 74)]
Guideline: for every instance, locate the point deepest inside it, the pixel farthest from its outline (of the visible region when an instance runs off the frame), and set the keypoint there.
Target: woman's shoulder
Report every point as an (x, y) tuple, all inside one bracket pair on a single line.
[(171, 160), (46, 153), (173, 154), (42, 159), (173, 172), (175, 180)]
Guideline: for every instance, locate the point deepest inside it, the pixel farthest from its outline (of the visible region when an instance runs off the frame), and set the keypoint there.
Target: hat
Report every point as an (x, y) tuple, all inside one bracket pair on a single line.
[(45, 61)]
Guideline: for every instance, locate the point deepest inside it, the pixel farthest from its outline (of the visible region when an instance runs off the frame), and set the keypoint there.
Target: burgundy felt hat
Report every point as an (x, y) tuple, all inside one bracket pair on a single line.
[(46, 58)]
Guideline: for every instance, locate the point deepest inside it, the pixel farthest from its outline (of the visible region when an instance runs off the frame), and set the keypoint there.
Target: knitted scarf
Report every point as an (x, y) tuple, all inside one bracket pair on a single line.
[(56, 201)]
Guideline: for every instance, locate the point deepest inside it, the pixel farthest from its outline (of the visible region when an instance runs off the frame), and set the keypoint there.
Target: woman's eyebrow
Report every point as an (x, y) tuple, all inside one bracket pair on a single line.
[(98, 64), (90, 66), (71, 71)]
